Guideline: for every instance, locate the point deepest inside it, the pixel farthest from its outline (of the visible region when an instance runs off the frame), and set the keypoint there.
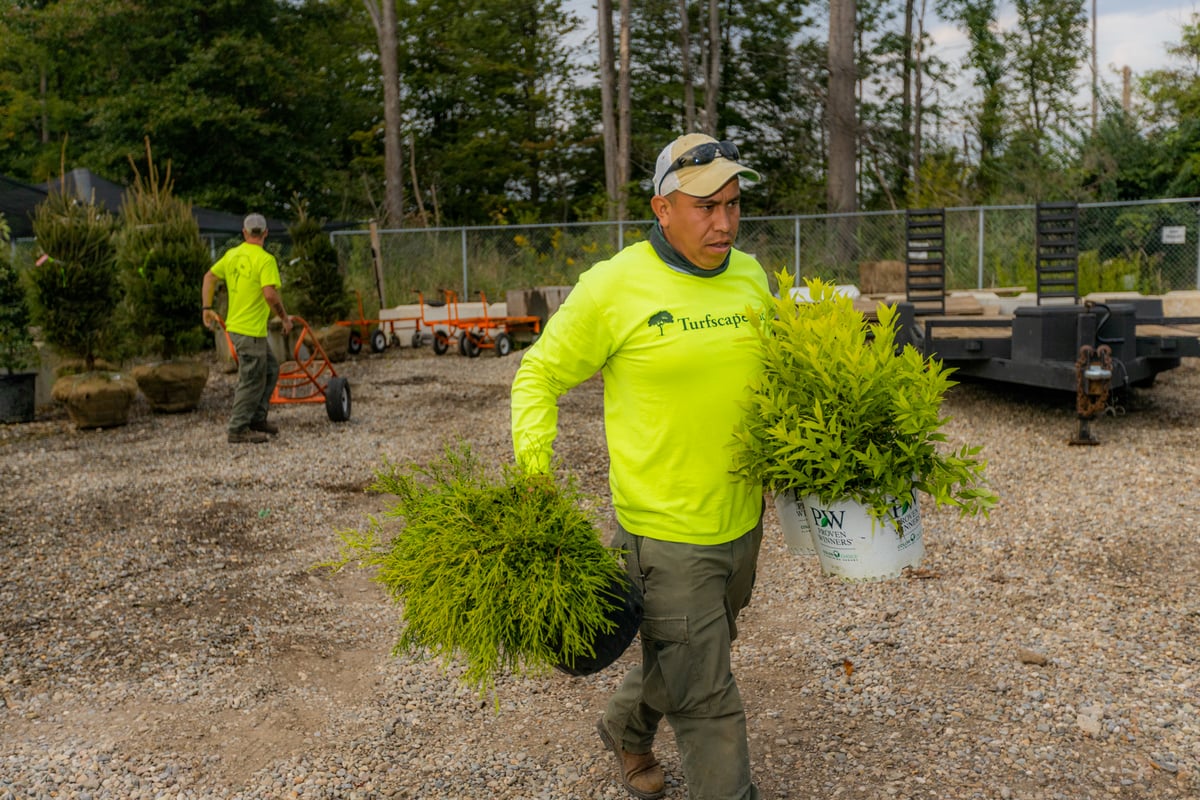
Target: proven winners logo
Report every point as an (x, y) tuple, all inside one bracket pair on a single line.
[(663, 319), (830, 526)]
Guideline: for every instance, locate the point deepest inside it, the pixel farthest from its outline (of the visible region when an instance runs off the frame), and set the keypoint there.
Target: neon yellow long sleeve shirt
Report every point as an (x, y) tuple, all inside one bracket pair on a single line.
[(678, 356)]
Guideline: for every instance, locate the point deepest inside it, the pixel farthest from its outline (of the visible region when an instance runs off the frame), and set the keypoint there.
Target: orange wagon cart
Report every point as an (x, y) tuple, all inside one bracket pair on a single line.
[(484, 332), (434, 326), (378, 333), (309, 377)]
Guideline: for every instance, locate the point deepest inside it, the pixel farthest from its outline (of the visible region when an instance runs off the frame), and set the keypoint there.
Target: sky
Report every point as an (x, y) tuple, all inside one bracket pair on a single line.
[(1133, 33), (1136, 33), (1129, 33)]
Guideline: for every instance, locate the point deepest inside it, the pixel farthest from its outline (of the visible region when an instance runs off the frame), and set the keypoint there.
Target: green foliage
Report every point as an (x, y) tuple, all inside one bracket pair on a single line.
[(1045, 50), (75, 285), (504, 573), (317, 289), (1110, 275), (839, 413), (252, 99), (162, 260), (16, 343)]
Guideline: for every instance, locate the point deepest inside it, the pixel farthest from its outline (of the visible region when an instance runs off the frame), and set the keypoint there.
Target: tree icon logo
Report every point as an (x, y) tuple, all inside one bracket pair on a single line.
[(660, 319)]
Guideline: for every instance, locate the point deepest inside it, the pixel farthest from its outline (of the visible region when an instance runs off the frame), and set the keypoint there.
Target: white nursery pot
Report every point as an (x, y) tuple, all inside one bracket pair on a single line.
[(793, 518), (853, 546)]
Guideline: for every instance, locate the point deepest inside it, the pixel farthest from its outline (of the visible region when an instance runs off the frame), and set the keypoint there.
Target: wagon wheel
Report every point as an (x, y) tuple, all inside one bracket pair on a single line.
[(468, 345), (441, 342), (378, 341), (355, 345), (337, 399), (504, 344), (416, 339)]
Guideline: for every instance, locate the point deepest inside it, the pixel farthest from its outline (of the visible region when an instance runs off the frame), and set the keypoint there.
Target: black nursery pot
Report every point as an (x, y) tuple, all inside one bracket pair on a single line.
[(626, 612), (17, 396)]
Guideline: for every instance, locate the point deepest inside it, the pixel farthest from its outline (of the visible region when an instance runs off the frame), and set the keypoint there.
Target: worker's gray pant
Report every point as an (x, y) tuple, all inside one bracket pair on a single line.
[(692, 596), (258, 370)]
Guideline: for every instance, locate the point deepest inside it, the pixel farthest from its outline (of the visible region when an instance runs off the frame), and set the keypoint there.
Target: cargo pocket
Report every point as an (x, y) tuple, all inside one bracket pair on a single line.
[(667, 674)]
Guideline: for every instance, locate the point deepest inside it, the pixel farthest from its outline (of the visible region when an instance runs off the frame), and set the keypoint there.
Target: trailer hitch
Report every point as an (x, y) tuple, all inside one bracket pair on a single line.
[(1093, 380)]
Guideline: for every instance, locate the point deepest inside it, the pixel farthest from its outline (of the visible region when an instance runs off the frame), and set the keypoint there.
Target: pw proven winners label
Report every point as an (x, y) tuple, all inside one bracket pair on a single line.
[(844, 531)]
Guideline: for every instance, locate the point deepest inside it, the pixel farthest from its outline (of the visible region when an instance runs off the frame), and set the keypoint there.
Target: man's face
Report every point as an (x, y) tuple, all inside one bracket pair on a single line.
[(702, 229)]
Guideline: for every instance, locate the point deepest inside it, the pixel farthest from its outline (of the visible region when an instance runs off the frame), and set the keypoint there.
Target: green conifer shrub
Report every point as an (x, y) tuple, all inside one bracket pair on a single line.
[(317, 286), (16, 342), (162, 259), (504, 573), (75, 283)]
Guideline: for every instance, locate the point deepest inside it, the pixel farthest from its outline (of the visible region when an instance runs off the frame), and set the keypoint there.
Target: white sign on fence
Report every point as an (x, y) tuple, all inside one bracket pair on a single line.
[(1174, 234)]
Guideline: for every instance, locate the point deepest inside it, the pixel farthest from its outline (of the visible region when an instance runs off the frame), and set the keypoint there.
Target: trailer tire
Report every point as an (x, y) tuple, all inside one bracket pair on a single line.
[(354, 346), (416, 340), (441, 343), (337, 399), (504, 345), (378, 341)]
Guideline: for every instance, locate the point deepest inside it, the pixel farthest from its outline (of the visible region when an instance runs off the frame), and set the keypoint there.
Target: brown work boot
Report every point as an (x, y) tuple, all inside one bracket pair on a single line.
[(266, 426), (248, 436), (641, 774)]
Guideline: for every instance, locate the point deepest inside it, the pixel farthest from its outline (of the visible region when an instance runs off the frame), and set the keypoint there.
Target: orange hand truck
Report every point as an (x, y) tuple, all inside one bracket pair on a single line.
[(309, 377)]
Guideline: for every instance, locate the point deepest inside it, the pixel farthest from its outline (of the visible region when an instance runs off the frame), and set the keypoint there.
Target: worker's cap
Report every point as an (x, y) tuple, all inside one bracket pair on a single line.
[(255, 224), (698, 165)]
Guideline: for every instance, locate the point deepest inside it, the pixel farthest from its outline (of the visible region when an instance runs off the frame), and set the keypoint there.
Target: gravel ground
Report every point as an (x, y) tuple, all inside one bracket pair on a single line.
[(163, 633)]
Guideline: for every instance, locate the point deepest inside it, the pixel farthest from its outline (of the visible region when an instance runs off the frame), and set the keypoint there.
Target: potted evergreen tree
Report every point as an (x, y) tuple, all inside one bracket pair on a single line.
[(317, 288), (76, 292), (841, 415), (18, 386), (162, 260)]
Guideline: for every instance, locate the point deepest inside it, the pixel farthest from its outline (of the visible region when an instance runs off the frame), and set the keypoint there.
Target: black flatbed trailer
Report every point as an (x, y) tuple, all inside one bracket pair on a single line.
[(1042, 345)]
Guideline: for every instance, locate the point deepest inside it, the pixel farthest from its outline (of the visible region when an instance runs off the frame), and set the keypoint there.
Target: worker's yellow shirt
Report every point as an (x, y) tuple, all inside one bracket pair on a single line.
[(246, 269), (678, 357)]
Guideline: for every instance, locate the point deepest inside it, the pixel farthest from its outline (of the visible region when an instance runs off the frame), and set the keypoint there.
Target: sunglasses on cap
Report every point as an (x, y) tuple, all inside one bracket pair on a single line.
[(702, 154)]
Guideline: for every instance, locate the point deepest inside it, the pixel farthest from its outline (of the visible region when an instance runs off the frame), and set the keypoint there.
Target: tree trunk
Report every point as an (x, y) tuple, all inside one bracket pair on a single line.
[(624, 136), (840, 183), (45, 106), (608, 114), (840, 107), (689, 89), (906, 107), (412, 168), (713, 81), (918, 103), (383, 15)]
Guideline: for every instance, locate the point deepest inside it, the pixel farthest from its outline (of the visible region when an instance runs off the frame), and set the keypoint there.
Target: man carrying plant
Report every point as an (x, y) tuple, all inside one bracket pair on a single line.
[(666, 323), (251, 277)]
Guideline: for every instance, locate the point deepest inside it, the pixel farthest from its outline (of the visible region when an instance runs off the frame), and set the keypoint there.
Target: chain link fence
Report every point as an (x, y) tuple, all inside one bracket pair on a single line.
[(1152, 247)]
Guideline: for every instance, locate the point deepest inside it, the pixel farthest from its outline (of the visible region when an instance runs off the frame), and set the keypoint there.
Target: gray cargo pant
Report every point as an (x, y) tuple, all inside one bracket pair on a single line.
[(692, 596), (258, 370)]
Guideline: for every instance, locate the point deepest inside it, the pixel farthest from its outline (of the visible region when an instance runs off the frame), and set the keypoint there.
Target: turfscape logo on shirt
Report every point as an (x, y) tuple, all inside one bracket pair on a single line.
[(661, 319)]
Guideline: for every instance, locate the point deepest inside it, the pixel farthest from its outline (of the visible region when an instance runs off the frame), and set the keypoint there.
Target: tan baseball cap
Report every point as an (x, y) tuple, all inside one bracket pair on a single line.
[(699, 165)]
